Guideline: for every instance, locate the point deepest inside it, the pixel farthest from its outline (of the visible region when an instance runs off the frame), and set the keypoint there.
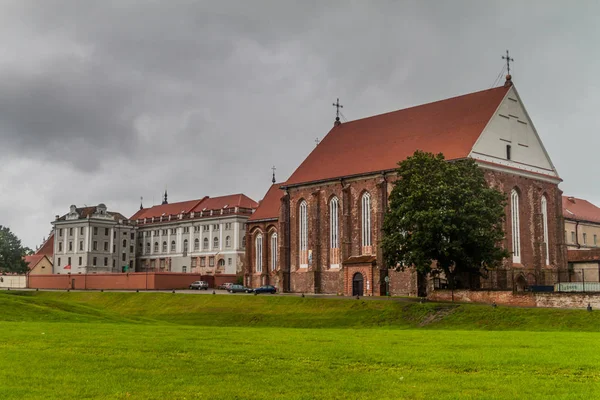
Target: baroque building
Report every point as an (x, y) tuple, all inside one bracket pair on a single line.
[(92, 240), (327, 217), (205, 236)]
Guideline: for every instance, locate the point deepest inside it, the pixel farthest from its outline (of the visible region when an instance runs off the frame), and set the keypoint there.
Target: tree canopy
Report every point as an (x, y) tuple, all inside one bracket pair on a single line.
[(11, 252), (443, 216)]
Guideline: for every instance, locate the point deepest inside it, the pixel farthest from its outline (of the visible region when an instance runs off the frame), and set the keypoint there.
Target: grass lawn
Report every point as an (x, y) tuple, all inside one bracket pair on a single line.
[(173, 346)]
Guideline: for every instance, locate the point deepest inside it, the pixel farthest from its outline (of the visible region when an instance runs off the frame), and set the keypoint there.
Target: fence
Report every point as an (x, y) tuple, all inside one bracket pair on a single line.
[(571, 279), (13, 281)]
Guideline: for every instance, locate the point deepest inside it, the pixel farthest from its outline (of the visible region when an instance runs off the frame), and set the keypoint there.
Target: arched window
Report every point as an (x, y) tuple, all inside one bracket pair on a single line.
[(258, 253), (205, 244), (366, 223), (545, 227), (216, 243), (156, 247), (221, 262), (185, 245), (516, 232), (148, 248), (334, 229), (164, 247), (273, 251), (303, 233), (196, 244), (228, 241)]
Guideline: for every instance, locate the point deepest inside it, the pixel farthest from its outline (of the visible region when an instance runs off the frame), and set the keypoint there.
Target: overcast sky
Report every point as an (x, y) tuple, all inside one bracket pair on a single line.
[(107, 101)]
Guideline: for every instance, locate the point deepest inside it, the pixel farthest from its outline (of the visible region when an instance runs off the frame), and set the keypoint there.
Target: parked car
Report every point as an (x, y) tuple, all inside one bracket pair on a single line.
[(239, 288), (266, 289), (199, 285), (225, 286)]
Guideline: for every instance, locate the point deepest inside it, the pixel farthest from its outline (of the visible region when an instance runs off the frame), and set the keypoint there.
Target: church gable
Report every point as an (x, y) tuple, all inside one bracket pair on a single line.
[(510, 140)]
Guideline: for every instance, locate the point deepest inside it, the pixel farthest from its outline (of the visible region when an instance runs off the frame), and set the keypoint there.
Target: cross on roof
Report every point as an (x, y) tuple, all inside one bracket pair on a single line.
[(317, 141), (337, 105), (273, 168), (508, 60)]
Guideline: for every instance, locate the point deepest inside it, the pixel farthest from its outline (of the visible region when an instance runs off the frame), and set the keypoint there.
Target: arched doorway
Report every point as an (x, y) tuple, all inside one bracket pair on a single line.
[(357, 284), (521, 284)]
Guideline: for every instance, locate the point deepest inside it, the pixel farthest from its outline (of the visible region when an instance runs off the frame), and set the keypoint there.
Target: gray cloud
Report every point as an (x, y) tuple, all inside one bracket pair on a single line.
[(109, 101)]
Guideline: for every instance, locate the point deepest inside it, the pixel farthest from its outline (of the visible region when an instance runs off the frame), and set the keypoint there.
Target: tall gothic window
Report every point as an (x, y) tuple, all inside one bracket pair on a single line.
[(205, 244), (215, 243), (366, 223), (303, 234), (258, 252), (516, 232), (545, 227), (172, 245), (273, 251), (334, 229)]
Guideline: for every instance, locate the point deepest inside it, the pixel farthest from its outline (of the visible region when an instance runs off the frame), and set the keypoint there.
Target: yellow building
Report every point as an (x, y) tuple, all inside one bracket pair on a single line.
[(39, 264), (582, 224)]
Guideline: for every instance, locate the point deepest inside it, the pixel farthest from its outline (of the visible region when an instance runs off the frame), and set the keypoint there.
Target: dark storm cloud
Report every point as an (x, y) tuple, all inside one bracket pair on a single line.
[(109, 101)]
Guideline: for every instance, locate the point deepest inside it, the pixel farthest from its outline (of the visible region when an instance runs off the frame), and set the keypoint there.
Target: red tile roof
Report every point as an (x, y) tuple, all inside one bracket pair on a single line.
[(378, 143), (33, 260), (186, 207), (579, 209), (47, 248), (270, 205), (230, 201)]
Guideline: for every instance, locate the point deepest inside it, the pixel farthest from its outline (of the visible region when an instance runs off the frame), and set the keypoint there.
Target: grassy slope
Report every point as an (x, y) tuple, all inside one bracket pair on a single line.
[(165, 346)]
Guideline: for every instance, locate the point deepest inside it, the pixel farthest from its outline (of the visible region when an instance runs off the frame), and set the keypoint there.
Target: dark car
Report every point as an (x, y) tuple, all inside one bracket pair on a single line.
[(238, 289), (266, 289)]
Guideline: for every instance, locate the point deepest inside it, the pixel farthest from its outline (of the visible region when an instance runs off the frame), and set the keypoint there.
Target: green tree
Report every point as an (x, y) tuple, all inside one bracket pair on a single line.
[(11, 252), (443, 216)]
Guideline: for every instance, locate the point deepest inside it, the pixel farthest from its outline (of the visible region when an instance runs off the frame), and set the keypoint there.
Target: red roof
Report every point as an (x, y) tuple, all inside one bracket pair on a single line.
[(186, 207), (230, 201), (33, 260), (579, 209), (378, 143), (47, 248), (270, 205)]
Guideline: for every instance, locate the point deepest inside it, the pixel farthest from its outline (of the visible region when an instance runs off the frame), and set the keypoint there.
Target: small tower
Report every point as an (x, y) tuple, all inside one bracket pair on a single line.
[(165, 200)]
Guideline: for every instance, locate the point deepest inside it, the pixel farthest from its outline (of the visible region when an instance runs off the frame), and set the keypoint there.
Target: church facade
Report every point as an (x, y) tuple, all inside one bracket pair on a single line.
[(319, 232)]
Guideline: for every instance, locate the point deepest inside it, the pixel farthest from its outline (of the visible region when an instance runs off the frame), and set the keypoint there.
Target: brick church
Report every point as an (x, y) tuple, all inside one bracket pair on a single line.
[(319, 231)]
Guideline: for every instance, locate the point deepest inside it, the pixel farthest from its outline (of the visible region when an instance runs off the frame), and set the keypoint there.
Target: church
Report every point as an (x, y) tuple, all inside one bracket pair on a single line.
[(319, 231)]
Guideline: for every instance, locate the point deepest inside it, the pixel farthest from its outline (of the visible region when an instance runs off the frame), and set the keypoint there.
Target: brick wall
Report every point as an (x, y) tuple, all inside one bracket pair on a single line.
[(252, 277)]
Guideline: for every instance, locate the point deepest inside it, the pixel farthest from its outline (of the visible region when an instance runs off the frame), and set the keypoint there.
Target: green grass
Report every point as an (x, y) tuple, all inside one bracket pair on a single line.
[(58, 345)]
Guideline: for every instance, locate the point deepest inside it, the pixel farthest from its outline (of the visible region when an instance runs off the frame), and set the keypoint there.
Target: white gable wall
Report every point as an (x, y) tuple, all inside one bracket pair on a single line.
[(511, 125)]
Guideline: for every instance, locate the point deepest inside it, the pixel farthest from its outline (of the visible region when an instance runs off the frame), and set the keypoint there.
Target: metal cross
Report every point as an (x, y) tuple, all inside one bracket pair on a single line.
[(273, 168), (337, 105), (508, 60), (317, 141)]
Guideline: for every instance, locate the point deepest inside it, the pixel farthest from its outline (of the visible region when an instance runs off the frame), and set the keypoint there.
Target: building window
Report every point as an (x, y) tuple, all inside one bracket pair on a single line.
[(211, 261), (60, 232), (584, 238), (205, 244), (203, 262), (94, 261), (184, 269), (95, 246), (95, 230), (516, 231), (221, 262), (258, 253), (273, 251), (185, 246), (148, 248), (70, 231), (105, 246), (545, 227), (216, 227), (124, 256), (572, 236), (366, 223), (164, 247), (196, 244), (173, 245), (58, 262), (508, 148), (106, 261), (69, 261), (132, 236), (215, 243), (106, 232), (229, 261), (81, 231), (334, 229), (243, 242), (156, 247), (59, 246), (124, 243), (303, 234), (81, 245), (131, 249), (70, 246), (173, 231), (80, 260), (228, 241)]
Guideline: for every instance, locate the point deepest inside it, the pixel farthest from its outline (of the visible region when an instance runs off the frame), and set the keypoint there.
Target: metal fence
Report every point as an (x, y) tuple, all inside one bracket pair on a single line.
[(572, 279)]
